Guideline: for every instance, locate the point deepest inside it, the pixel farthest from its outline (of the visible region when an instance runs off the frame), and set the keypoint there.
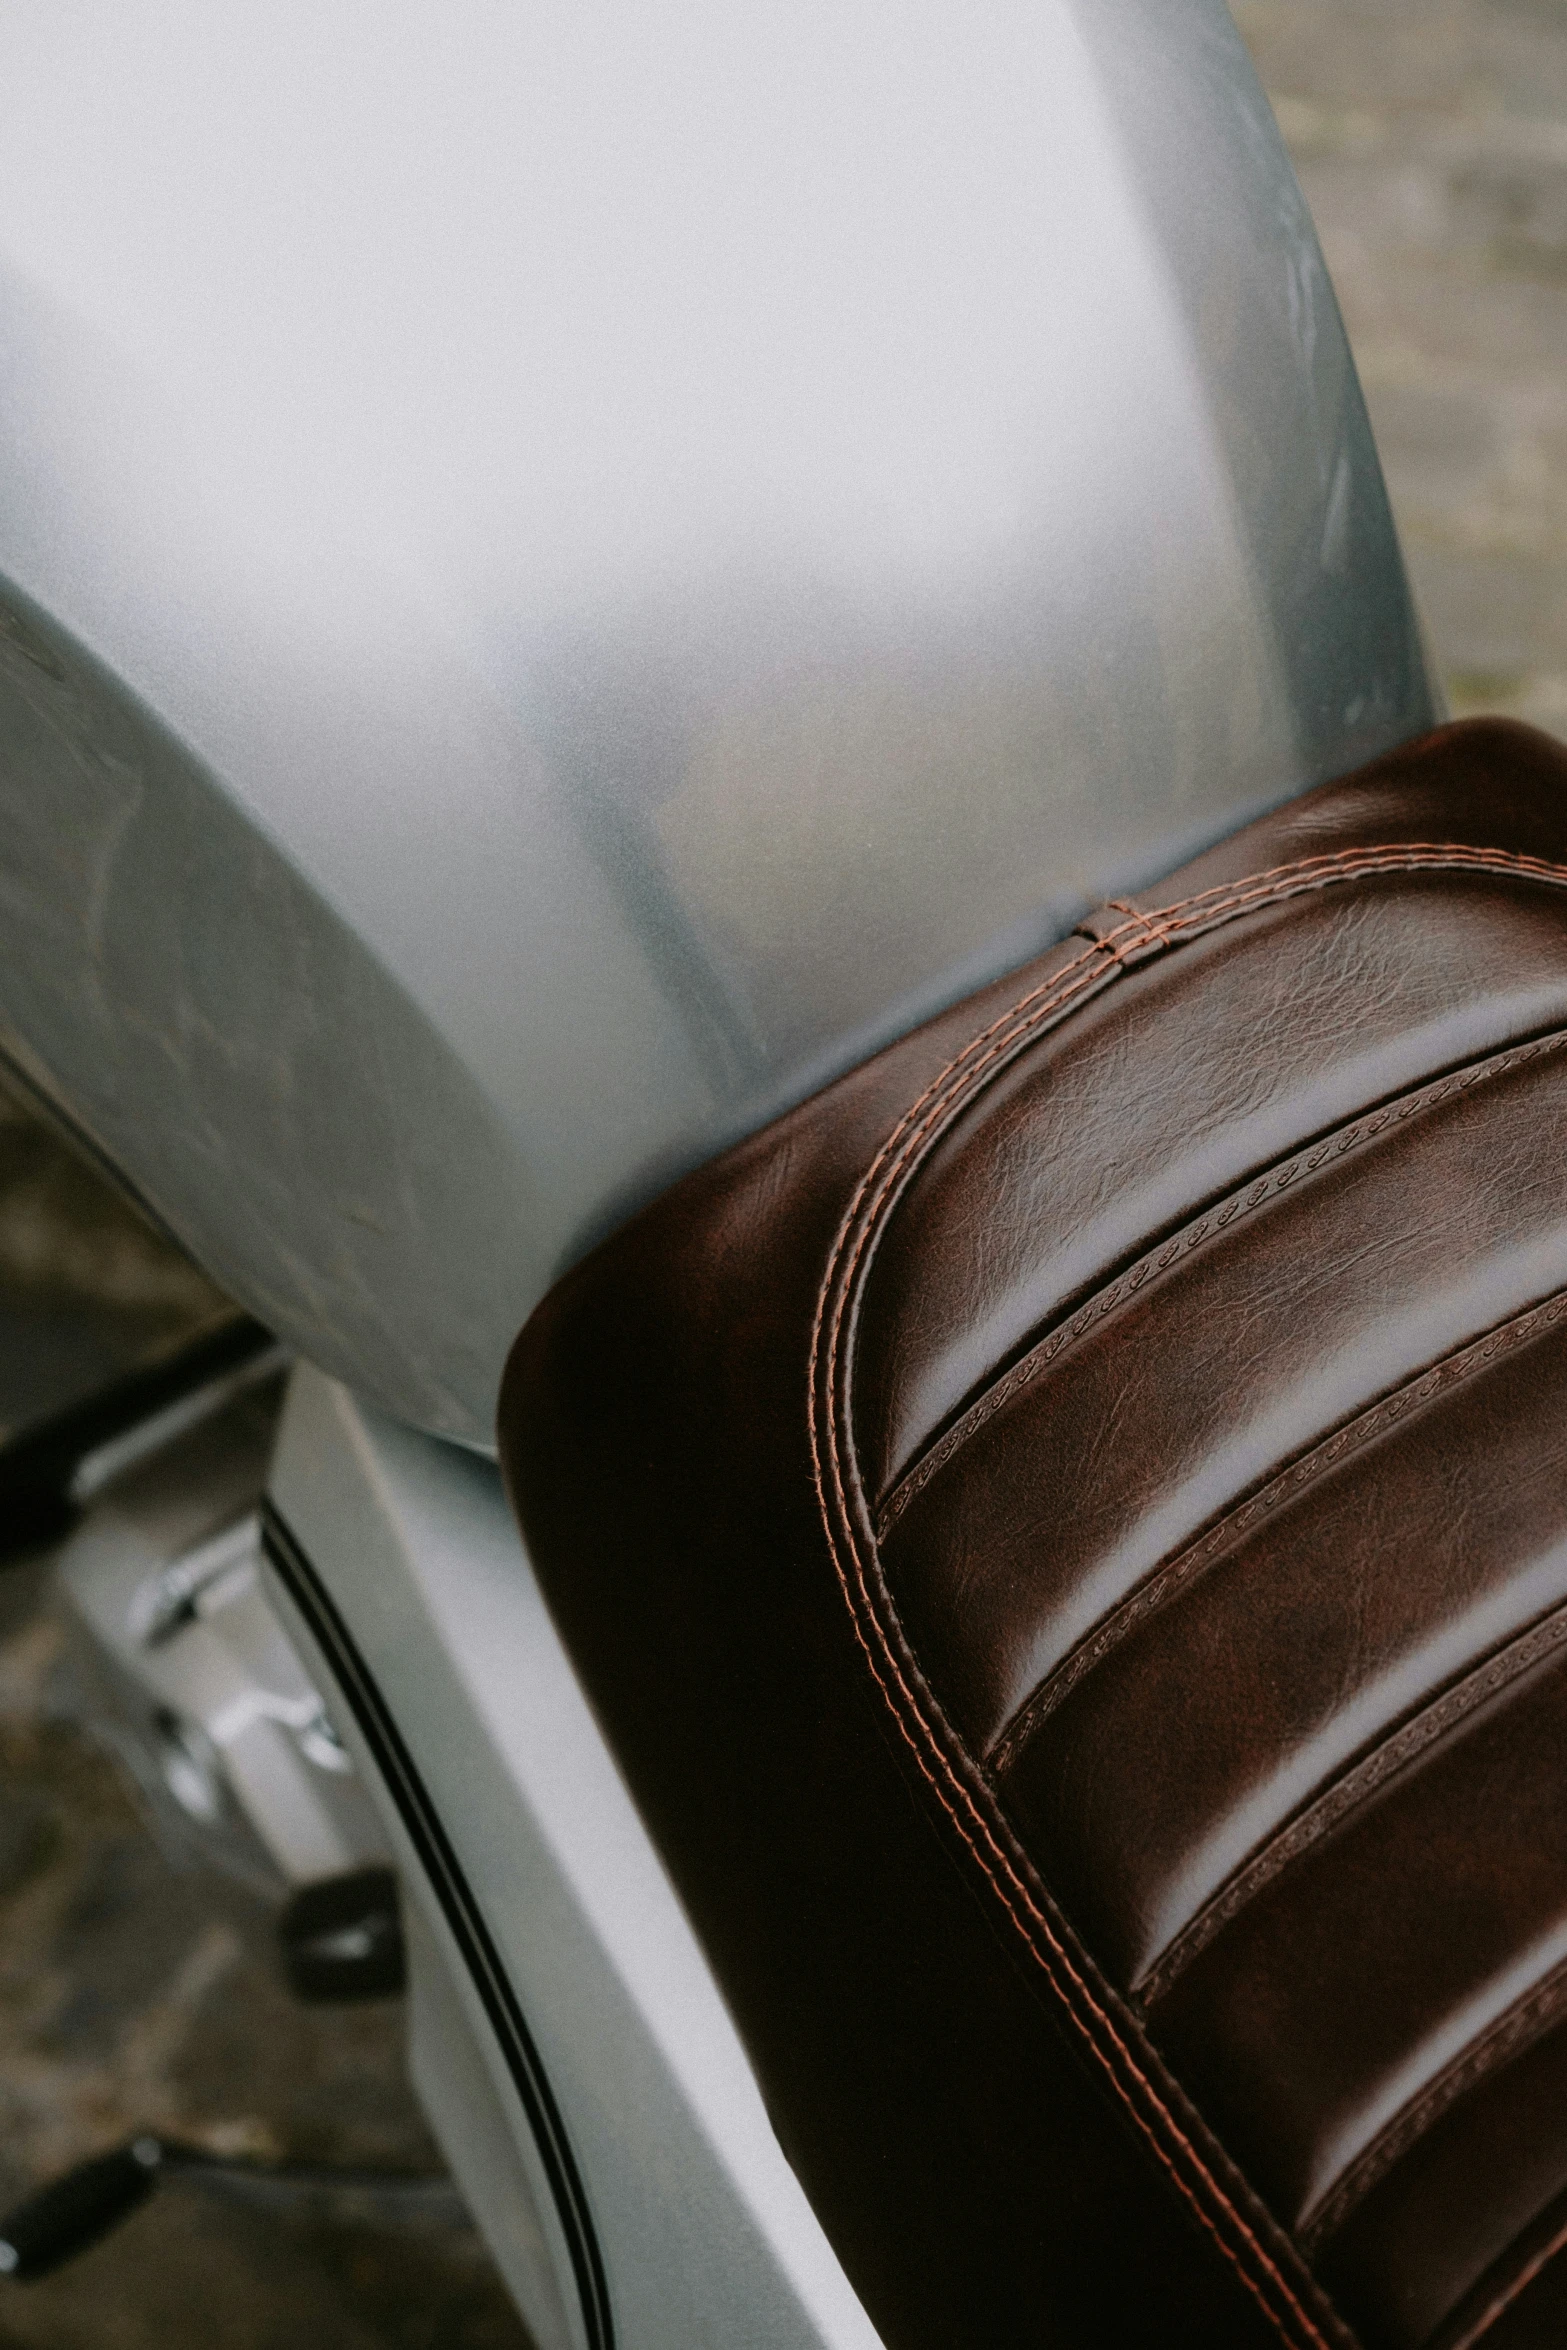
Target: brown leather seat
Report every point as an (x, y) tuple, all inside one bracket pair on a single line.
[(1067, 1533)]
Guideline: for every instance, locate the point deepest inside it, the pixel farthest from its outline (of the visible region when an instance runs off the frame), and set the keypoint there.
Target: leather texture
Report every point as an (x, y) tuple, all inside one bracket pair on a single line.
[(1067, 1535)]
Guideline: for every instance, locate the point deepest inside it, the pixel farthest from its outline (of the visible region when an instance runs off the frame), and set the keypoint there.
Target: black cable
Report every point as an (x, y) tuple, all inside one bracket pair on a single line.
[(64, 2218)]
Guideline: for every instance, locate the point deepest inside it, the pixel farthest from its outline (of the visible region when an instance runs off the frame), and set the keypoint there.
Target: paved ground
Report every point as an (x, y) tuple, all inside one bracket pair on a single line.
[(87, 1292), (134, 1995), (1432, 139)]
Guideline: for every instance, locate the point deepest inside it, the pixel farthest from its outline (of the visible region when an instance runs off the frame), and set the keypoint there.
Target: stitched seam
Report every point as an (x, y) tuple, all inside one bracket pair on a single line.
[(1505, 2299), (878, 1187), (1253, 1192), (1022, 1893), (867, 1209), (1343, 1795), (1531, 2016), (1476, 1355), (1138, 931), (1022, 1020), (955, 1800), (945, 1095)]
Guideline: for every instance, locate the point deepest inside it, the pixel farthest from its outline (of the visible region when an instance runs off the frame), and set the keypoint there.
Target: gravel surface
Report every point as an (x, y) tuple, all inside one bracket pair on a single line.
[(137, 1994), (1431, 136), (1431, 139), (87, 1291)]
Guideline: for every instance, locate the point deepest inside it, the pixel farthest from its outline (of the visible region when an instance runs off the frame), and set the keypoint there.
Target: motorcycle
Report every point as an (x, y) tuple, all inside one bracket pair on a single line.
[(610, 626)]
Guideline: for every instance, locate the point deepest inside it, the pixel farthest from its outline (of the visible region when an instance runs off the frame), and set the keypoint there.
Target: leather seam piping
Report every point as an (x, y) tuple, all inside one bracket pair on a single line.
[(1341, 1795), (1252, 1192), (1510, 2292), (1419, 1730), (937, 1753), (1148, 1597), (1529, 2017)]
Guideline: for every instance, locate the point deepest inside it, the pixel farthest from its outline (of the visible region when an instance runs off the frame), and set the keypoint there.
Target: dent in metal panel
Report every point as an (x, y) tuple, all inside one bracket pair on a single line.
[(184, 997)]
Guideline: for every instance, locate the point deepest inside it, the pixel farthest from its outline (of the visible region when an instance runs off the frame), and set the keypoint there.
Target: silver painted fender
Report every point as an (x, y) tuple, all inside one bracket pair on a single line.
[(573, 569)]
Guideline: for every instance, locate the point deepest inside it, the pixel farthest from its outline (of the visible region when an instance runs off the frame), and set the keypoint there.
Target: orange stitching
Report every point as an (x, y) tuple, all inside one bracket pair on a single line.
[(1058, 1948), (1251, 1192), (1410, 855), (1343, 1794), (1217, 904), (866, 1208), (1532, 2014), (1025, 1016), (1504, 2300), (1074, 1975), (1148, 928), (1023, 1891), (1145, 1598)]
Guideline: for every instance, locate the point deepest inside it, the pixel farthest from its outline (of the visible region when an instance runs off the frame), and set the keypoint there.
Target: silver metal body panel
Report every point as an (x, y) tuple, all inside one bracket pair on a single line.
[(573, 569), (472, 2112), (706, 2238)]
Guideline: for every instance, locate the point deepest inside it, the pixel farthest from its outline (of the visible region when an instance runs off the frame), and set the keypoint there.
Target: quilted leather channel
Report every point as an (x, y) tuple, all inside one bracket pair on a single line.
[(1064, 1532), (1221, 1478), (1165, 1093)]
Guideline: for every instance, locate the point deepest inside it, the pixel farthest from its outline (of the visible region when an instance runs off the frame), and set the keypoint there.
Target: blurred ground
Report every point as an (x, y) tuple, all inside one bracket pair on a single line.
[(1431, 136), (1431, 139), (87, 1292), (136, 1993)]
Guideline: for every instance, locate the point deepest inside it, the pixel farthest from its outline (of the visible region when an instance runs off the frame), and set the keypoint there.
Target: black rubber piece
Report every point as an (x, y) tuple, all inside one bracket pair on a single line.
[(67, 2216), (343, 1938), (75, 2212), (37, 1466)]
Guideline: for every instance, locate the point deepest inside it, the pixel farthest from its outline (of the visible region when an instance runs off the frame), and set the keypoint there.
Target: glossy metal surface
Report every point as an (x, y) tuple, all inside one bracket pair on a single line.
[(576, 568)]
